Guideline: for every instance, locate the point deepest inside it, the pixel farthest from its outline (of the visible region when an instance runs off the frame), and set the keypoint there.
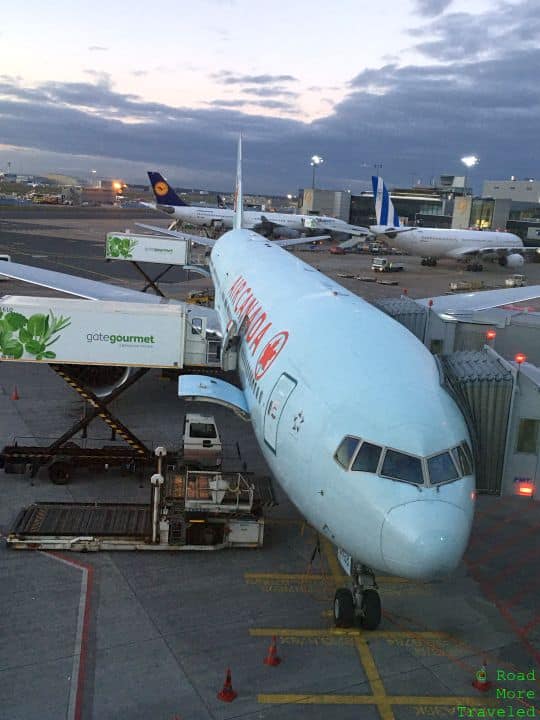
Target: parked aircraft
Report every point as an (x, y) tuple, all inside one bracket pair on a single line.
[(267, 223), (433, 243), (346, 405)]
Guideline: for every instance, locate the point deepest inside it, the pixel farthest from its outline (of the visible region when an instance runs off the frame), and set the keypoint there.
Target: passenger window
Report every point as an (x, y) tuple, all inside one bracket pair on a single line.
[(402, 467), (441, 469), (346, 450), (367, 459)]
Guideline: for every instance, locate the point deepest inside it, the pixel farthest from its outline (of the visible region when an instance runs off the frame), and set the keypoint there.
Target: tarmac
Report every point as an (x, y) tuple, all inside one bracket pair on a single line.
[(132, 635)]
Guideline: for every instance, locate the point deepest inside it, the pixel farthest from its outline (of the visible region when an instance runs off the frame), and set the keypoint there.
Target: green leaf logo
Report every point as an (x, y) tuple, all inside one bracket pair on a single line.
[(35, 335)]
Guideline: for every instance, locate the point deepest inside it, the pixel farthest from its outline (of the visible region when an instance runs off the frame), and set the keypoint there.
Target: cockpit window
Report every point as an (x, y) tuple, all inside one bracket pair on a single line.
[(367, 458), (400, 466), (346, 450), (441, 469), (463, 458)]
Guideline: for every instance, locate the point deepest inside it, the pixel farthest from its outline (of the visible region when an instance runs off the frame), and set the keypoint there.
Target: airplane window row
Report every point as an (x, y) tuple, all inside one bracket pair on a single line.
[(362, 456)]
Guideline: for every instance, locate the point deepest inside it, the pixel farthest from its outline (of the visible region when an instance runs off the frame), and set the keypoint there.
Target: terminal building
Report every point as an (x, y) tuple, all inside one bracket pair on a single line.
[(511, 205)]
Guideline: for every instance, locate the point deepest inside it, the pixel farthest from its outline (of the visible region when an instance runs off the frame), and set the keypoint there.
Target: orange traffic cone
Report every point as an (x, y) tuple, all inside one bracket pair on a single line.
[(15, 393), (480, 681), (227, 694), (272, 657)]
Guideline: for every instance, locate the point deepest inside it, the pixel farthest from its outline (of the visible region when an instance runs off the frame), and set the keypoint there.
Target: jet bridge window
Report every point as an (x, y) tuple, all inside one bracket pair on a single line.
[(441, 468), (367, 458), (400, 466), (346, 450)]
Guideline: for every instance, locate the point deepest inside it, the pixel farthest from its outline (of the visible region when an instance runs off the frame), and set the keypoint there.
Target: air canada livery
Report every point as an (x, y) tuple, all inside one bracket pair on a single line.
[(433, 243), (347, 408)]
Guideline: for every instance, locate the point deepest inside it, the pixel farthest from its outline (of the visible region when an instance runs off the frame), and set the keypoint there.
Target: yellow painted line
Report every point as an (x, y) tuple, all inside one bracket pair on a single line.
[(449, 700), (374, 679), (344, 632)]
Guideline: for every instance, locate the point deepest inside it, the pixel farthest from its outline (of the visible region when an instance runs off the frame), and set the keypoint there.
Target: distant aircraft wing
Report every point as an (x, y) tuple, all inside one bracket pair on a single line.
[(179, 235), (465, 303), (470, 250), (299, 241)]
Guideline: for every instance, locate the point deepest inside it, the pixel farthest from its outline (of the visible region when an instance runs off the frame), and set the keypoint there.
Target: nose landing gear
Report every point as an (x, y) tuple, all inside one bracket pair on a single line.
[(429, 261), (362, 603)]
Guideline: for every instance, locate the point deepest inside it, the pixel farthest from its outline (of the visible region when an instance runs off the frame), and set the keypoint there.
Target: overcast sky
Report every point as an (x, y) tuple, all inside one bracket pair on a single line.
[(412, 85)]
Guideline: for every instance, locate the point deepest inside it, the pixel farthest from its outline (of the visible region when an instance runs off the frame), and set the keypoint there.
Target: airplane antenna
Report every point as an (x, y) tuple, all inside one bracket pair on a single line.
[(238, 196)]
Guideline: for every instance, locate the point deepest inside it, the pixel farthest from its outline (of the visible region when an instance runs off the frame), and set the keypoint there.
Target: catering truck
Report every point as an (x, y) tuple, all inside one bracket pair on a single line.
[(71, 331)]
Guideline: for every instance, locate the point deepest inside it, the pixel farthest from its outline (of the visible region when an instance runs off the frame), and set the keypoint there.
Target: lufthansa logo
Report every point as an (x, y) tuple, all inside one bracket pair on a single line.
[(270, 352), (161, 188)]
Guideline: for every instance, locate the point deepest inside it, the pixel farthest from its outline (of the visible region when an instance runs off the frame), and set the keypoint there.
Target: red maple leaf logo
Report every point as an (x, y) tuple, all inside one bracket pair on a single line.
[(269, 353)]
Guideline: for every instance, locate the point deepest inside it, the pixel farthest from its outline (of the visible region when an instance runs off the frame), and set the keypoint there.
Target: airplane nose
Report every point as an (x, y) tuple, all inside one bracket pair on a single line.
[(425, 539)]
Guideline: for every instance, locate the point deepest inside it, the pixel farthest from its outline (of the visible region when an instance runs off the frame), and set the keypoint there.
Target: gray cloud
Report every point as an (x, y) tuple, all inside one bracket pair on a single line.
[(414, 118), (430, 8), (229, 78), (269, 91), (97, 48)]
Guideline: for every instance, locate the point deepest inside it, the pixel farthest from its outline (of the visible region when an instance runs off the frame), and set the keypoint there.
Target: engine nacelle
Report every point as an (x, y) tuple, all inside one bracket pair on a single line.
[(285, 233), (514, 260), (100, 379)]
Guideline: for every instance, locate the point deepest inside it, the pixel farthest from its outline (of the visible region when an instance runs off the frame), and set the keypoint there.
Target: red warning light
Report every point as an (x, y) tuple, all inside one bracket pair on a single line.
[(491, 334), (526, 489), (520, 358)]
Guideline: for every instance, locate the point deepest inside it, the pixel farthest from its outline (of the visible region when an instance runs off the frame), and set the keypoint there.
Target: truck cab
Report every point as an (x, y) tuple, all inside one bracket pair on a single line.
[(380, 264), (201, 442), (516, 281)]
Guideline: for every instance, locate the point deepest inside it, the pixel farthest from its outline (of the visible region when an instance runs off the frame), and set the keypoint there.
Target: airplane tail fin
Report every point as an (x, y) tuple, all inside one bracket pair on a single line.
[(238, 195), (164, 193), (384, 208)]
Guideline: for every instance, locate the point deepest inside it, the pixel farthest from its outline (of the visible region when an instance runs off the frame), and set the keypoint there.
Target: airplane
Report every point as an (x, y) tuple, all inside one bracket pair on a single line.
[(272, 224), (433, 243), (346, 406)]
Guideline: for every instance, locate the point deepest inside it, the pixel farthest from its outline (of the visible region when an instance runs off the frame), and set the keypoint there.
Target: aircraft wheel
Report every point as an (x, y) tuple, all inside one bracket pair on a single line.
[(433, 262), (424, 261), (370, 615), (343, 608), (60, 473)]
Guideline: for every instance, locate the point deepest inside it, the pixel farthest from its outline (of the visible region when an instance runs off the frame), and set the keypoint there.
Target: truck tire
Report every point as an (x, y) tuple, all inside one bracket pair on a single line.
[(60, 472)]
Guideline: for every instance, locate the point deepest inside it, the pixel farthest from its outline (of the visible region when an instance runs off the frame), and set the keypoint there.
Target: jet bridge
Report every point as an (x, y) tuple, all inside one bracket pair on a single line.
[(482, 385)]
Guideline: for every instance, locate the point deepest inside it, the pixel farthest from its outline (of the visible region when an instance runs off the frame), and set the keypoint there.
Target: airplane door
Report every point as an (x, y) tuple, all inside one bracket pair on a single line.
[(276, 404)]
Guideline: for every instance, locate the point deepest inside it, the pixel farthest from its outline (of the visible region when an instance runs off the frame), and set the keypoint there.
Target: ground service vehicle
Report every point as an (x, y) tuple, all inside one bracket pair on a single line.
[(384, 265), (201, 444), (516, 281)]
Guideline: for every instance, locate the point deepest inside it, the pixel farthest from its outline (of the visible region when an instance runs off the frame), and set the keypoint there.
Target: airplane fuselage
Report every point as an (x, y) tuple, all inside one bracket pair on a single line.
[(318, 363), (439, 243), (209, 216)]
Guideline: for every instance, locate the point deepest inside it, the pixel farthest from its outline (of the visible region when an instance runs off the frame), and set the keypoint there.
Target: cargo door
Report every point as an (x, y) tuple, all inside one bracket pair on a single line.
[(276, 404)]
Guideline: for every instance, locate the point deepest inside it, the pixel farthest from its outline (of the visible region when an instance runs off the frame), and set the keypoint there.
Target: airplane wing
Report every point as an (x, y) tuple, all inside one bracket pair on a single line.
[(470, 250), (72, 285), (95, 290), (299, 241), (179, 235), (465, 303)]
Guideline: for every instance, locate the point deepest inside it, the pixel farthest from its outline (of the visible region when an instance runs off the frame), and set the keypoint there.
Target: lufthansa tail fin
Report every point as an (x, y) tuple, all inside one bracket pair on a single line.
[(384, 209), (238, 195), (164, 193)]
